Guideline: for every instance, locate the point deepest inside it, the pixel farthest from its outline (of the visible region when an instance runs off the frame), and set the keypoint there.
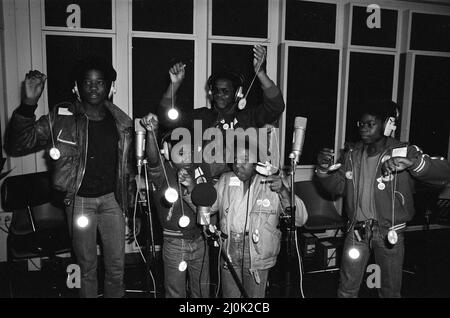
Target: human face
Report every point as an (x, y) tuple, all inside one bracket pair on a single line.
[(242, 166), (94, 88), (182, 159), (223, 93), (370, 129)]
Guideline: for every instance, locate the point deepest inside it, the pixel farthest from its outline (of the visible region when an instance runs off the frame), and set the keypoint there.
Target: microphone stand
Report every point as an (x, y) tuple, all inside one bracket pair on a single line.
[(149, 241), (289, 222), (216, 236)]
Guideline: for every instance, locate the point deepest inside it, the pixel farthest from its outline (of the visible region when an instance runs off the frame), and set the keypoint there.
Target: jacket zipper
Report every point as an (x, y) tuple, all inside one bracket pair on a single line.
[(85, 154)]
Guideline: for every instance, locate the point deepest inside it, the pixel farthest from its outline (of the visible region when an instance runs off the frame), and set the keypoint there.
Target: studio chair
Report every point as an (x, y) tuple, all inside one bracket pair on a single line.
[(38, 226), (322, 216)]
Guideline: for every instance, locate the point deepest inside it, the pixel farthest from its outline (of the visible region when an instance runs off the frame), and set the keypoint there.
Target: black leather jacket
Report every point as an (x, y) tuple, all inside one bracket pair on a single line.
[(69, 127)]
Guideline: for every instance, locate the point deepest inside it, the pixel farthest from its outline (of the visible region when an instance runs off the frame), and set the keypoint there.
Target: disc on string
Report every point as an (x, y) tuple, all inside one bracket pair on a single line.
[(255, 236), (381, 186), (392, 237), (182, 266), (54, 153), (266, 203), (334, 167), (184, 221), (242, 103)]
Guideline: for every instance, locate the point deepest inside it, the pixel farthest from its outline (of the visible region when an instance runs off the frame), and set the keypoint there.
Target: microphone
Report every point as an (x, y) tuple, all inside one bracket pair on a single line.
[(140, 142), (203, 196), (298, 138)]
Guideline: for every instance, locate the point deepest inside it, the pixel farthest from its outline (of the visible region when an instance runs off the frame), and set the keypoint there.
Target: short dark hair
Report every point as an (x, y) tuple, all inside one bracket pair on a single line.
[(381, 109), (236, 79), (93, 63)]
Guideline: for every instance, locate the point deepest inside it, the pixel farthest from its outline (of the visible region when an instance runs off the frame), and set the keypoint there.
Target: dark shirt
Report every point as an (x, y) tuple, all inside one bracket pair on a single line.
[(100, 175)]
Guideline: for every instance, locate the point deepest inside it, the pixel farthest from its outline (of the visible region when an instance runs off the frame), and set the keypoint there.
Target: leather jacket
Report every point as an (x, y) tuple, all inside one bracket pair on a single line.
[(69, 133)]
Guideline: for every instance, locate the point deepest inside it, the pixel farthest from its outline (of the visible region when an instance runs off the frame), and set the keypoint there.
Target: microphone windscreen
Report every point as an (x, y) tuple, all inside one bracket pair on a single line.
[(204, 194), (138, 126), (300, 122)]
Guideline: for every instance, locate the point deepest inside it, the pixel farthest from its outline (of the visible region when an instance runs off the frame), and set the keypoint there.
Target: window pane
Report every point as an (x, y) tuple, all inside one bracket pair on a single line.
[(370, 78), (245, 18), (312, 93), (430, 115), (151, 75), (239, 59), (94, 14), (62, 54), (385, 36), (173, 16), (430, 32), (310, 21)]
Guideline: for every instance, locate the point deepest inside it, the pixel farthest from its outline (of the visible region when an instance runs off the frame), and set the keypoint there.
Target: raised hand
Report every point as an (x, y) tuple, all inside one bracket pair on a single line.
[(33, 87), (177, 73), (259, 57), (186, 179)]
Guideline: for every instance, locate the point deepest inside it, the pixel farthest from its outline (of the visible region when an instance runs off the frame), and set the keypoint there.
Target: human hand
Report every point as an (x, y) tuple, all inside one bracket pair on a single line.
[(150, 122), (186, 179), (33, 87), (177, 73), (396, 164), (259, 57), (325, 158)]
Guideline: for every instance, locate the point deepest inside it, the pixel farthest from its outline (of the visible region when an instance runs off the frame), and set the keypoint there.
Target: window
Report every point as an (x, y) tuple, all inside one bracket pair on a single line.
[(173, 16), (430, 114), (310, 21), (430, 32), (312, 87), (62, 54), (385, 36), (243, 18), (370, 78), (151, 77), (94, 14)]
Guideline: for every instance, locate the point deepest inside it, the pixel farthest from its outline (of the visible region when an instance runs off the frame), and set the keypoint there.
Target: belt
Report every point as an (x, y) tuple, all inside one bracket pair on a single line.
[(370, 222), (237, 235)]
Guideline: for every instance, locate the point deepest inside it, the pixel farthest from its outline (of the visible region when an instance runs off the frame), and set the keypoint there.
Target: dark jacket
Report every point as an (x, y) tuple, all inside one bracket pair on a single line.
[(70, 133), (344, 182), (267, 112)]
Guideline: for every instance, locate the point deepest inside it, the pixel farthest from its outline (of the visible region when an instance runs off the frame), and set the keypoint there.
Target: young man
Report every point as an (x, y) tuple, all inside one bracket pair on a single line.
[(222, 92), (224, 98), (185, 252), (249, 207), (376, 179), (90, 143)]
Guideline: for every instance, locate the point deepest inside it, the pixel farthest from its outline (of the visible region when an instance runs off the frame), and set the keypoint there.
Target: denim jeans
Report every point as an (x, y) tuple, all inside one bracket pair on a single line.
[(230, 288), (388, 257), (195, 277), (106, 216)]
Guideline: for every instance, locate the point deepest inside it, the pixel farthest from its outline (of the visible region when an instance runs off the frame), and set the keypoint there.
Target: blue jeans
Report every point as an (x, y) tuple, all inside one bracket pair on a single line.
[(388, 257), (106, 216), (195, 254), (230, 288)]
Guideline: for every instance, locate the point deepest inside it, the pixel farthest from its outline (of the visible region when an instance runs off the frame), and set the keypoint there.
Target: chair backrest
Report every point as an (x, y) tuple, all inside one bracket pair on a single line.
[(33, 203), (322, 213)]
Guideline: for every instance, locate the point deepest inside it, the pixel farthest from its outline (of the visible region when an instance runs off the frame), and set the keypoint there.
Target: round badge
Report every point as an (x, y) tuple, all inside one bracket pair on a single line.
[(392, 237), (225, 126), (255, 236), (184, 221), (259, 202), (182, 266), (266, 203), (54, 153), (381, 186), (349, 175)]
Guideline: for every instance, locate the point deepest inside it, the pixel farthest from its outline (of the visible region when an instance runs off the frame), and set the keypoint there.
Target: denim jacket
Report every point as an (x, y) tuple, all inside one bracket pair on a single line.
[(264, 212)]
